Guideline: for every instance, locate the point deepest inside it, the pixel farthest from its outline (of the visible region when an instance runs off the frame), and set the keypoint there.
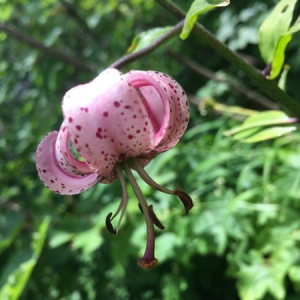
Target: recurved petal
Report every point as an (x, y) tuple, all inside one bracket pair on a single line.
[(53, 176), (179, 111), (155, 101), (65, 154), (111, 125)]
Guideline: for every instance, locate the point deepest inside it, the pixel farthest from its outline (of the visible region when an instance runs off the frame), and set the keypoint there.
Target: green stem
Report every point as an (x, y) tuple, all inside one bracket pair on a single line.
[(147, 50), (290, 105)]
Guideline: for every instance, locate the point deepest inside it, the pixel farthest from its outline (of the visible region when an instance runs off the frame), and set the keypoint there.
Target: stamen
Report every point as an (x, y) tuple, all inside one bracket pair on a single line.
[(109, 225), (144, 175), (148, 260), (184, 197), (124, 200), (154, 218)]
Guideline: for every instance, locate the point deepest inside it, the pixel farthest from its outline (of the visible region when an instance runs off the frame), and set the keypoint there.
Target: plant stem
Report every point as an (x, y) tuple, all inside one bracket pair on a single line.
[(232, 82), (290, 105), (147, 50)]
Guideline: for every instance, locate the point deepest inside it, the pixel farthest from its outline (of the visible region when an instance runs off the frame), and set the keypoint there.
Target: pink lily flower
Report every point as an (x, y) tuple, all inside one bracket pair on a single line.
[(115, 123)]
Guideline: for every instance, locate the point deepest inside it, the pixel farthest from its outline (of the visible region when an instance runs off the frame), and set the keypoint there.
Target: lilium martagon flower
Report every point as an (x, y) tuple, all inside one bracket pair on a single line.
[(116, 123)]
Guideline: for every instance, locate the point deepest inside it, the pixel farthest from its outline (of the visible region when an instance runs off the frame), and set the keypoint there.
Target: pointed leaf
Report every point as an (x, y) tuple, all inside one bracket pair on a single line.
[(274, 27), (198, 7), (295, 27), (266, 118), (17, 271), (269, 133), (275, 34), (146, 38), (283, 77)]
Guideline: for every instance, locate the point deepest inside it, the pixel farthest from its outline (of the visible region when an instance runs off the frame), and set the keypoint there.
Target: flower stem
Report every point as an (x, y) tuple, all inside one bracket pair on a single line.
[(147, 50), (289, 104)]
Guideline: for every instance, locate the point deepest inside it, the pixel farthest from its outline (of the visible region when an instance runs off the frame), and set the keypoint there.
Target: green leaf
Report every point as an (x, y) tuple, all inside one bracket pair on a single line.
[(88, 241), (254, 128), (269, 133), (275, 34), (295, 27), (274, 27), (278, 58), (198, 7), (17, 271), (166, 245), (266, 118), (146, 38), (11, 226), (282, 80)]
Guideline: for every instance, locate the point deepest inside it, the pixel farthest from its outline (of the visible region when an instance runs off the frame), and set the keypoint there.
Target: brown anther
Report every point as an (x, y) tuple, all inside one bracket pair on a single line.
[(140, 207), (185, 199), (154, 218), (109, 225), (147, 263)]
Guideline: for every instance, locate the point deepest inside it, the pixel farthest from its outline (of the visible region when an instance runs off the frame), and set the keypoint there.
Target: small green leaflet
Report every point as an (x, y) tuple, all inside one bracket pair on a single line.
[(263, 126), (198, 7), (275, 33), (146, 38), (18, 269)]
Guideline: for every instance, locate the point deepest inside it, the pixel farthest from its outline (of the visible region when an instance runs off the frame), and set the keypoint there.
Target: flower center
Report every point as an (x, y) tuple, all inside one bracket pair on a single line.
[(148, 260)]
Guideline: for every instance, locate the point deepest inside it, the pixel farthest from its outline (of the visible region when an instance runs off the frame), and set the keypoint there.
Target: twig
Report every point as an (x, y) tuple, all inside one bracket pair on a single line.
[(290, 105), (145, 51), (235, 112), (237, 86), (58, 54)]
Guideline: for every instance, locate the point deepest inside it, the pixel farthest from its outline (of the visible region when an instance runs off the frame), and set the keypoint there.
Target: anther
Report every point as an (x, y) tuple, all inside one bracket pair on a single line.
[(154, 218), (109, 225), (185, 199)]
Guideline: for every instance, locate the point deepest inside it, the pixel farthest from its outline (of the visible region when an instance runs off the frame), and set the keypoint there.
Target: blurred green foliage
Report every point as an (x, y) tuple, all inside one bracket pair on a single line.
[(242, 238)]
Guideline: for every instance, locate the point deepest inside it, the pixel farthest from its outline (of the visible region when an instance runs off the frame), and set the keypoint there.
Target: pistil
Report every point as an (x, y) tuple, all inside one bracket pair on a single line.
[(148, 260)]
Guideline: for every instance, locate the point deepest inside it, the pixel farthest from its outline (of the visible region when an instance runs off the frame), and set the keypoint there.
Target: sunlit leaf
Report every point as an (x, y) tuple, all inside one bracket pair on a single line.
[(283, 77), (275, 34), (279, 56), (263, 126), (198, 7), (146, 38), (269, 133), (18, 270)]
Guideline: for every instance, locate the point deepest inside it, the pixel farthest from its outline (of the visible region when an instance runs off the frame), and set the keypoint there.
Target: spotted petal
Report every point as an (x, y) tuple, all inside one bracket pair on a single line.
[(110, 120), (179, 109), (54, 177)]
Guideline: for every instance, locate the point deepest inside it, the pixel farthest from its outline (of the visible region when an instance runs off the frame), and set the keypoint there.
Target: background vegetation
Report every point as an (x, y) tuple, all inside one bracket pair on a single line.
[(240, 241)]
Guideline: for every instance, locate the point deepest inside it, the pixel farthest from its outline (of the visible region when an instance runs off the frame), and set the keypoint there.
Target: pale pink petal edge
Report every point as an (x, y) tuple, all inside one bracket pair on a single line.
[(53, 176)]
